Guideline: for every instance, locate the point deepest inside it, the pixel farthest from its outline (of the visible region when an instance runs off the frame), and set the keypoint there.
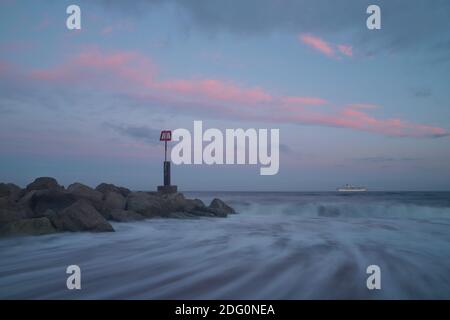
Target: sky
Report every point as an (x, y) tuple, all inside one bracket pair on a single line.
[(358, 106)]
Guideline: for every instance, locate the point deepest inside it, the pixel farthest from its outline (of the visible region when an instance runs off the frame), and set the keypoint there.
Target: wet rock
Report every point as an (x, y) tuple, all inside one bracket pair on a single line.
[(10, 190), (208, 212), (81, 208), (220, 206), (39, 201), (125, 216), (182, 215), (38, 226), (106, 187), (44, 183), (81, 191), (81, 216), (147, 204), (12, 211), (112, 201)]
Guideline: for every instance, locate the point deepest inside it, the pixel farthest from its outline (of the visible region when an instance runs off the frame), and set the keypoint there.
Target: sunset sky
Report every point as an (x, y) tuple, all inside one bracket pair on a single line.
[(353, 106)]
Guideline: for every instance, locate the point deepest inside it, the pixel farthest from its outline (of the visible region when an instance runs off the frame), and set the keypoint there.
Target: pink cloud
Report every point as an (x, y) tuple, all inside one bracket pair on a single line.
[(216, 90), (346, 50), (131, 67), (302, 101), (325, 47), (317, 44), (363, 106), (362, 121), (136, 75)]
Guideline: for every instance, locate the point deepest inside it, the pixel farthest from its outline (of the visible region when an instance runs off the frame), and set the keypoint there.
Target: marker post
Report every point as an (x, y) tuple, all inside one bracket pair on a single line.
[(166, 135)]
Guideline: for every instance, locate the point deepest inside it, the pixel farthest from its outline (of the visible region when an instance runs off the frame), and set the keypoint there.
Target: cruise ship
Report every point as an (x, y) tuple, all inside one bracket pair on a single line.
[(350, 188)]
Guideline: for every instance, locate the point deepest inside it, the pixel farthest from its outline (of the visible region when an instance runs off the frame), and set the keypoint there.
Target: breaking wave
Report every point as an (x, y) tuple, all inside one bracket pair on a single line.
[(279, 246)]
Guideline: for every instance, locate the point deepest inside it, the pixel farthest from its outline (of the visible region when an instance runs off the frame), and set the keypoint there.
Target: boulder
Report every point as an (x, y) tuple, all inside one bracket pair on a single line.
[(39, 201), (182, 215), (112, 201), (81, 191), (208, 212), (221, 206), (80, 216), (172, 202), (147, 204), (106, 187), (10, 190), (36, 226), (176, 202), (44, 183), (192, 204), (125, 215), (12, 211)]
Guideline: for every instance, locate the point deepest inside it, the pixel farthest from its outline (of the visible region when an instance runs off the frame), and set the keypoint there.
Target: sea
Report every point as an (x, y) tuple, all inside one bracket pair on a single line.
[(280, 245)]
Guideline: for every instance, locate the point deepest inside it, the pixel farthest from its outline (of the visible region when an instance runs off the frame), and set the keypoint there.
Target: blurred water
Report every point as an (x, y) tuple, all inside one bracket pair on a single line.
[(279, 246)]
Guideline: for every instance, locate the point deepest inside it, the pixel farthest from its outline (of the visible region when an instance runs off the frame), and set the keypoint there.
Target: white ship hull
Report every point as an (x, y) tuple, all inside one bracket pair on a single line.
[(352, 190)]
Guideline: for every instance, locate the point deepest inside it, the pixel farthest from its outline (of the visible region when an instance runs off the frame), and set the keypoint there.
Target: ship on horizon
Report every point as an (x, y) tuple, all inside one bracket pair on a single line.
[(350, 188)]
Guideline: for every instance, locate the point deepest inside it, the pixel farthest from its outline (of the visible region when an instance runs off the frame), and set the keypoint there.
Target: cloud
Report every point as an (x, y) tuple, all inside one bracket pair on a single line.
[(362, 106), (143, 133), (317, 44), (346, 50), (423, 25), (303, 101), (362, 121), (216, 90), (325, 47), (134, 75)]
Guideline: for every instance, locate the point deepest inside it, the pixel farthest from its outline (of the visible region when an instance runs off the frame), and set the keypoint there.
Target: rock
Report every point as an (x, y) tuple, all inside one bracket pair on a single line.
[(36, 226), (221, 206), (81, 216), (173, 201), (182, 215), (26, 200), (12, 211), (174, 205), (44, 183), (209, 212), (45, 207), (39, 201), (176, 202), (125, 215), (105, 188), (112, 201), (147, 204), (10, 190), (193, 204), (81, 191)]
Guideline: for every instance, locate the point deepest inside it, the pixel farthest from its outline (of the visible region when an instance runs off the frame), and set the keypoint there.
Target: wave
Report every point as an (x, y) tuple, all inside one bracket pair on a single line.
[(347, 210), (278, 247)]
